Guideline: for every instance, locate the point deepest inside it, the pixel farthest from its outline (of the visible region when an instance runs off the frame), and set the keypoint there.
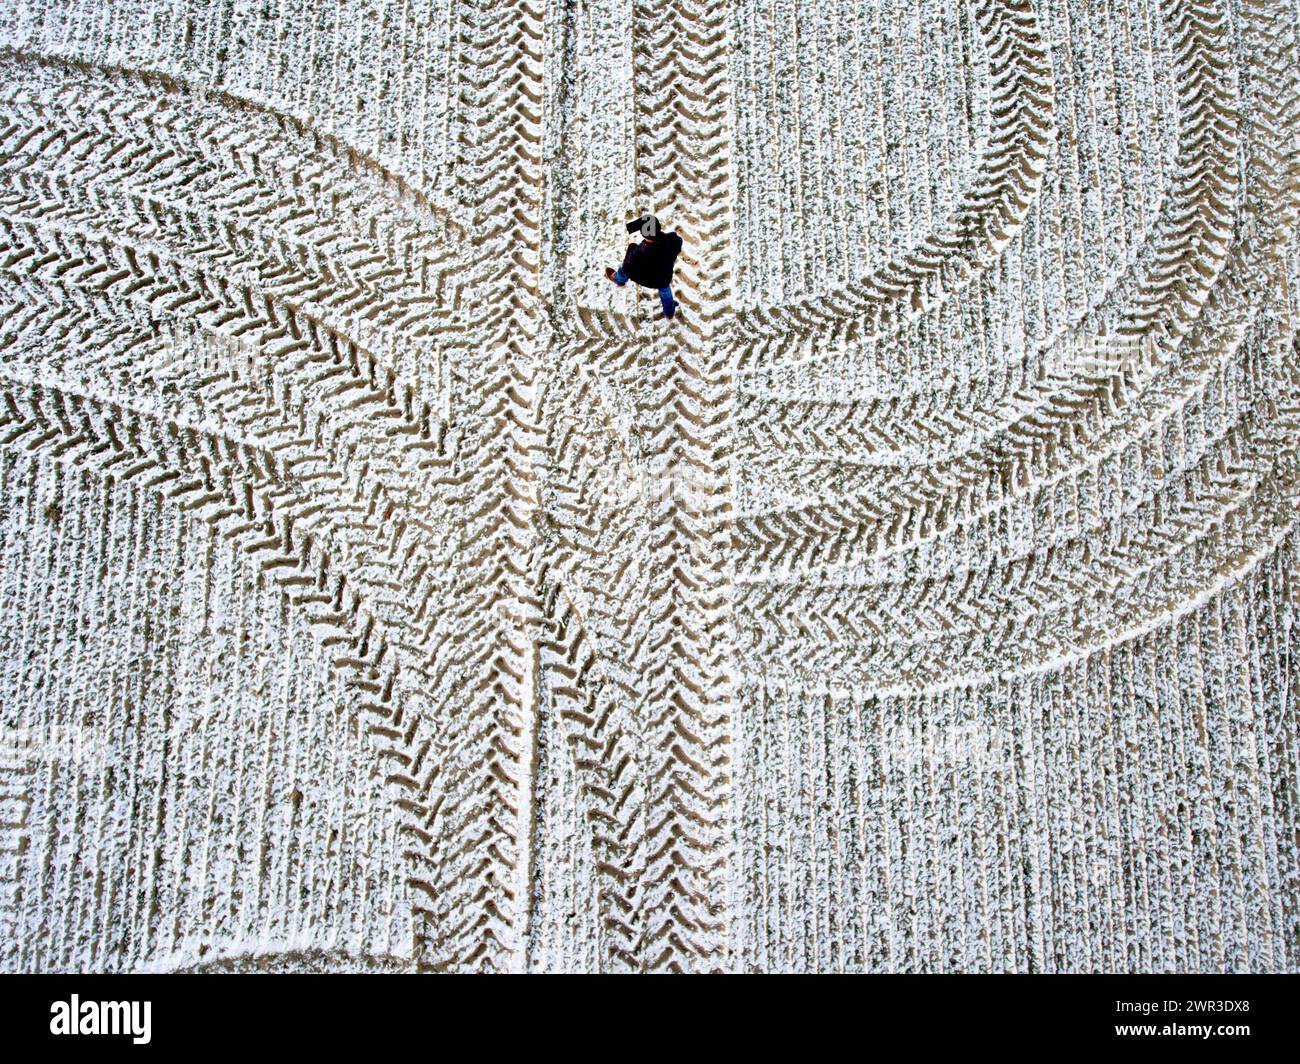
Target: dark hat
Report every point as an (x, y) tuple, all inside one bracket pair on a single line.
[(646, 225)]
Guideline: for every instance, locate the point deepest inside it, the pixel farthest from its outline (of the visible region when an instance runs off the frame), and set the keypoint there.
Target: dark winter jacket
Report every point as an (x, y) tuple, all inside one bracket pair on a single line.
[(650, 262)]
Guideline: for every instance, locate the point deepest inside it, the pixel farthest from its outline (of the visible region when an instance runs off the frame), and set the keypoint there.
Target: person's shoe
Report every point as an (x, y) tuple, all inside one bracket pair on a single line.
[(671, 309), (609, 273)]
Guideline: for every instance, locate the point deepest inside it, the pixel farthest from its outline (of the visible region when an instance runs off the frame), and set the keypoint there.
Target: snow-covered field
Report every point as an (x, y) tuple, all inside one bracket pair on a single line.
[(381, 589)]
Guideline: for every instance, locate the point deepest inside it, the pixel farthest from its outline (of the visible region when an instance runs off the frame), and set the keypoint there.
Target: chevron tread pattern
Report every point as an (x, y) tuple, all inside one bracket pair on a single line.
[(923, 597)]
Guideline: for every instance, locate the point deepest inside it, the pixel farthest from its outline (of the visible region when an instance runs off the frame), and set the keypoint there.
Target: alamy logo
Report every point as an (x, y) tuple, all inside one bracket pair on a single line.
[(102, 1017)]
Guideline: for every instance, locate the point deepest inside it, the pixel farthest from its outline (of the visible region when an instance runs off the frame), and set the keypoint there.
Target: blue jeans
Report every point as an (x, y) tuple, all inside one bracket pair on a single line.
[(665, 293)]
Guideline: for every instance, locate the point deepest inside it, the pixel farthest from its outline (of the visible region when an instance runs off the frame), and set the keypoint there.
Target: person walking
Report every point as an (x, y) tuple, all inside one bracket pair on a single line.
[(649, 261)]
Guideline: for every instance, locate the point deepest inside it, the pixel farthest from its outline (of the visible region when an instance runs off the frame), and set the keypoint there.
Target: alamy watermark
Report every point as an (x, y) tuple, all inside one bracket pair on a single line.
[(75, 744), (927, 746), (131, 1019), (1118, 355), (186, 351)]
